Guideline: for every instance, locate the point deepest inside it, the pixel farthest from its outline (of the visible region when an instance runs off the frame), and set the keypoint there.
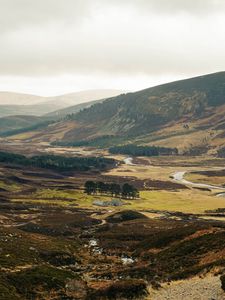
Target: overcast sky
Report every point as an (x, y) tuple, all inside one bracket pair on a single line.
[(50, 47)]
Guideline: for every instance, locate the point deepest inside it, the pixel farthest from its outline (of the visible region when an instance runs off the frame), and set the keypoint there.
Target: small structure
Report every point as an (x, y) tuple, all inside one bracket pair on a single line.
[(113, 202)]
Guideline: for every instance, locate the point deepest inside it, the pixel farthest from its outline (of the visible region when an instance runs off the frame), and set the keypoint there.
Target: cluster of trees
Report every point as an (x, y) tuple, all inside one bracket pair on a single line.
[(126, 191), (57, 162), (134, 150)]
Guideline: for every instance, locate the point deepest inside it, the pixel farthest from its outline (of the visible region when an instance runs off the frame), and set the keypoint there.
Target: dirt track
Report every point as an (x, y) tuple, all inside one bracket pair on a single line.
[(208, 288)]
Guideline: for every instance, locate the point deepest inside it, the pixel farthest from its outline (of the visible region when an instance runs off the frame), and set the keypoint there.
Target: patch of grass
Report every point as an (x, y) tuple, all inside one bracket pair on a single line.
[(11, 187), (201, 178), (186, 201), (62, 198)]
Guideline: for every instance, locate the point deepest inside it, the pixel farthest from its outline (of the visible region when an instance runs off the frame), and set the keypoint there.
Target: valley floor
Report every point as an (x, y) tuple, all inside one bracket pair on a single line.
[(56, 244)]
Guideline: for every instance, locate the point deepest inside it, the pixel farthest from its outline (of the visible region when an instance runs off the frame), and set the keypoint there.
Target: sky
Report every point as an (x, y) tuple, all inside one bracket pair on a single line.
[(52, 47)]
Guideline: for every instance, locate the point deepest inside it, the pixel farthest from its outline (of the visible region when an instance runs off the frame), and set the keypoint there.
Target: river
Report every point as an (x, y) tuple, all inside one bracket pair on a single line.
[(128, 161), (179, 176)]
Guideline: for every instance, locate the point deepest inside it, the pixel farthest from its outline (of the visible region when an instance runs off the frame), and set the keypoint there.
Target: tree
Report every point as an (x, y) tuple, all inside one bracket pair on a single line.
[(115, 189), (90, 187), (129, 191), (101, 187), (126, 190)]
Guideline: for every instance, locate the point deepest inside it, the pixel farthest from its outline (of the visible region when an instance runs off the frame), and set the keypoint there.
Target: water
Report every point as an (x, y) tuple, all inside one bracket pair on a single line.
[(128, 161), (179, 176)]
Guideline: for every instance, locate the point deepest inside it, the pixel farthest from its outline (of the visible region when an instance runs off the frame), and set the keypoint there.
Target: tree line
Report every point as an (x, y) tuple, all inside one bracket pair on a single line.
[(126, 191), (57, 162), (134, 150)]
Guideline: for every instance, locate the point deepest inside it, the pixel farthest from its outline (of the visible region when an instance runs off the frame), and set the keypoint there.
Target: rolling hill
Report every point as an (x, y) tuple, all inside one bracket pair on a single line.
[(188, 114), (23, 104), (15, 122)]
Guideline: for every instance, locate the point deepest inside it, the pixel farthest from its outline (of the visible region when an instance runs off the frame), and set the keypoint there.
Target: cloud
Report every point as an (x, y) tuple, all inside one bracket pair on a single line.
[(16, 14), (57, 37), (175, 6)]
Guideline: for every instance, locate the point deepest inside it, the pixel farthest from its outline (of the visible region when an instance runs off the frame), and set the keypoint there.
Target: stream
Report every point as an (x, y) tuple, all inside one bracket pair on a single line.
[(129, 161), (179, 176)]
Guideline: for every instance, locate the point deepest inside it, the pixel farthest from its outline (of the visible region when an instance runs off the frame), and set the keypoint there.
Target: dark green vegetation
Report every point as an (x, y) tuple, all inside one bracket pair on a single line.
[(59, 163), (135, 150), (127, 191)]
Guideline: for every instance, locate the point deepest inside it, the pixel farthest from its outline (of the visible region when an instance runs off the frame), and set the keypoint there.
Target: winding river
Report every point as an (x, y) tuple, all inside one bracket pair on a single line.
[(129, 161), (179, 176)]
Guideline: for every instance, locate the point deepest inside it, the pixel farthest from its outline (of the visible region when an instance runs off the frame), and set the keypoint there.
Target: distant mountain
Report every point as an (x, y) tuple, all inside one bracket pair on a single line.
[(11, 98), (23, 104), (187, 114)]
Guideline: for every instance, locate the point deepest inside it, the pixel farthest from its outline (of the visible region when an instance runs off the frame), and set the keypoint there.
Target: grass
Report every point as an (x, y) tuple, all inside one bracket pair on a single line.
[(187, 201), (200, 178), (62, 198), (183, 201), (11, 187)]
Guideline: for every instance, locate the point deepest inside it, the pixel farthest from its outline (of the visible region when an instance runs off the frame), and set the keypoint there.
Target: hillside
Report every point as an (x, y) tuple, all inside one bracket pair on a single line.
[(17, 122), (71, 109), (187, 114), (23, 104)]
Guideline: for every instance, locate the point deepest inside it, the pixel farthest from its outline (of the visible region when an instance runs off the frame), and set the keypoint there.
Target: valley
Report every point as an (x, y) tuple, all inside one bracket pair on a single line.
[(119, 199), (57, 243)]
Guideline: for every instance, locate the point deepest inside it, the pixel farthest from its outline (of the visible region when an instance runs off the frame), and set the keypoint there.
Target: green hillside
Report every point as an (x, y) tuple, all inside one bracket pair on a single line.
[(17, 122)]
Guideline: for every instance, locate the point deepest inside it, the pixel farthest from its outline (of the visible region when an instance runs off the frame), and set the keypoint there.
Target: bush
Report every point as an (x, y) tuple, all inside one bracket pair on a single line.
[(222, 279), (123, 289)]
